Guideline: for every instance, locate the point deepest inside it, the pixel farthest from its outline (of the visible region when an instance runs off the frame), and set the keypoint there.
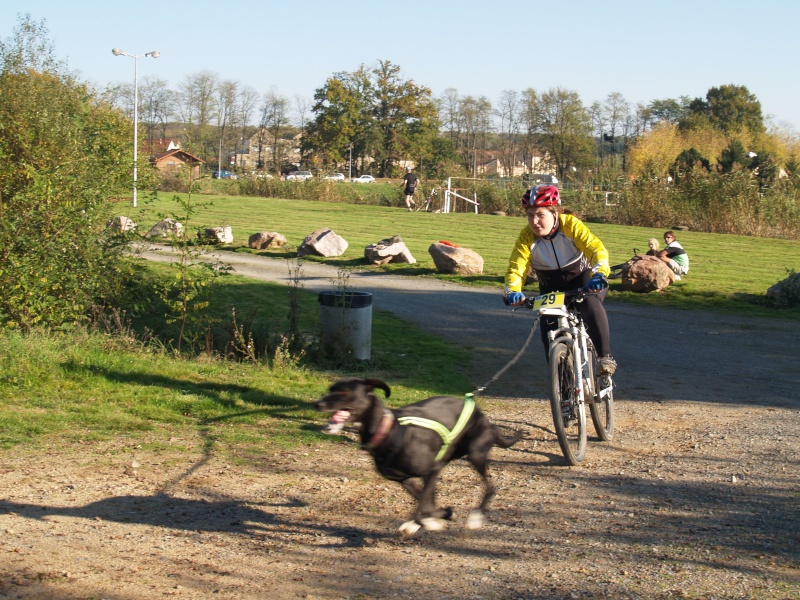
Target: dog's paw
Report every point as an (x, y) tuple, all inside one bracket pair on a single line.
[(475, 519), (409, 528), (433, 524)]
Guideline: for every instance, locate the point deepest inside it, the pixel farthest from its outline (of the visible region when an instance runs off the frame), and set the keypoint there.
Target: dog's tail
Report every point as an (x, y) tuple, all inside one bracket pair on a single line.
[(503, 441)]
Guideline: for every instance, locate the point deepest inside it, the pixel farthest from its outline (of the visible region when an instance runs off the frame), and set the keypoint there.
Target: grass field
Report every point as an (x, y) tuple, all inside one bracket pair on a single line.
[(728, 272)]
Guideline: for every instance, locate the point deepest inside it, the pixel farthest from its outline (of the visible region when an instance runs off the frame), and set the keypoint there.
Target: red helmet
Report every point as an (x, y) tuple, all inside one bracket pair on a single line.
[(546, 195)]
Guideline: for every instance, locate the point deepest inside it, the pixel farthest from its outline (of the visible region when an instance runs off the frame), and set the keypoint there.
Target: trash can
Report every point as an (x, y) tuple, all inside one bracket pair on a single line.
[(346, 320)]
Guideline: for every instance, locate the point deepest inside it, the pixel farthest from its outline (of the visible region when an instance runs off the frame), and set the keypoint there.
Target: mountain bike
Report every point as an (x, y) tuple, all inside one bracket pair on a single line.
[(575, 380)]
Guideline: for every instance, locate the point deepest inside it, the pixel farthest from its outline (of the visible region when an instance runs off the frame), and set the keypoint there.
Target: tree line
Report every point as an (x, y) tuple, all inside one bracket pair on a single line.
[(381, 120)]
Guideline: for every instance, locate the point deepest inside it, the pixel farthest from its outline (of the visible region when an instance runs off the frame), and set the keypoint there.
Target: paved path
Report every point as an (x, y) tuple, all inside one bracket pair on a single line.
[(663, 354)]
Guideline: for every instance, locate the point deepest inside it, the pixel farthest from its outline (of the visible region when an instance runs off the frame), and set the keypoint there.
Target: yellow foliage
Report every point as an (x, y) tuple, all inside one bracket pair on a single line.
[(656, 151)]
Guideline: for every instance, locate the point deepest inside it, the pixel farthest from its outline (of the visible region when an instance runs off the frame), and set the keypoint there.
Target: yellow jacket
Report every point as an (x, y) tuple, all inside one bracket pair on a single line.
[(571, 250)]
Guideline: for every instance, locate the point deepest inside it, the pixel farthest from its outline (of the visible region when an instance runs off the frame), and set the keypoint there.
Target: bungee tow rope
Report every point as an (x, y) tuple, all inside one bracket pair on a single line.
[(510, 364)]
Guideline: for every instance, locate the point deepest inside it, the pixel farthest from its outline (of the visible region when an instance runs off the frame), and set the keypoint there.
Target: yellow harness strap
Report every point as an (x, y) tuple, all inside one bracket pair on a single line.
[(446, 435)]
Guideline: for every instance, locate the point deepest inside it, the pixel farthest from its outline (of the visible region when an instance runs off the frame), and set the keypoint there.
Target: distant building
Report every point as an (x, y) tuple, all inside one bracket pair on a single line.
[(175, 161)]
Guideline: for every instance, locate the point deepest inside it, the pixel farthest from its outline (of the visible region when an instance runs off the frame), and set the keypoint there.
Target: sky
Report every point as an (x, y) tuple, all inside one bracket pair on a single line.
[(643, 49)]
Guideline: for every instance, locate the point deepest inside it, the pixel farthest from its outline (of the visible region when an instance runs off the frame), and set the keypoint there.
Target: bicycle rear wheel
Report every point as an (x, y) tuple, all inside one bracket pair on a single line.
[(602, 406), (569, 415)]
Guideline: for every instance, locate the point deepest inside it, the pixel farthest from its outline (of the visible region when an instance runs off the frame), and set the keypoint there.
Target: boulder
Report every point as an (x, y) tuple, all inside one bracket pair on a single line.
[(323, 242), (165, 228), (452, 259), (646, 274), (121, 223), (787, 291), (266, 239), (390, 250), (216, 235)]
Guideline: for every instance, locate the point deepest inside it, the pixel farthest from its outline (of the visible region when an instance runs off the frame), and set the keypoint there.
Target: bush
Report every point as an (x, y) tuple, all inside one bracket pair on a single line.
[(63, 153)]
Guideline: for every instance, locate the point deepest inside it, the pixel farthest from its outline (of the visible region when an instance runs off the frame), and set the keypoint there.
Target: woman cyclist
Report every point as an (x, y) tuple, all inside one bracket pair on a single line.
[(566, 256)]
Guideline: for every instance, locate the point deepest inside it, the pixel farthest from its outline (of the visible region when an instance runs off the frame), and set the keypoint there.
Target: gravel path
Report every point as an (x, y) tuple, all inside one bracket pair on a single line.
[(696, 497)]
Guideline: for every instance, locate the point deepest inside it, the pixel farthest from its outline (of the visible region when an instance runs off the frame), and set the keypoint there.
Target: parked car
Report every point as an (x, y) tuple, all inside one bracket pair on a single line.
[(334, 177), (364, 179), (299, 176), (224, 174)]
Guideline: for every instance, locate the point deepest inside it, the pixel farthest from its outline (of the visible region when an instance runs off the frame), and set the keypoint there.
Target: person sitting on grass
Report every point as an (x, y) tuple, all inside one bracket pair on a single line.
[(674, 255), (616, 270)]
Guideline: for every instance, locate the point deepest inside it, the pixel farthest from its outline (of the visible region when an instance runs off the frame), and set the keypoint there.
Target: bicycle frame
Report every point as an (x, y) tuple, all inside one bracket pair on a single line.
[(572, 331)]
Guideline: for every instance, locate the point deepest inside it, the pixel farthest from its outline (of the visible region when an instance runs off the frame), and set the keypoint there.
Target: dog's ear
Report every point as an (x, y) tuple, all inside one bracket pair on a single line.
[(377, 383)]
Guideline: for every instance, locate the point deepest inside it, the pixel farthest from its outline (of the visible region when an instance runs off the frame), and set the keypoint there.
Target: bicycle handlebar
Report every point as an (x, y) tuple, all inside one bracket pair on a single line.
[(574, 295)]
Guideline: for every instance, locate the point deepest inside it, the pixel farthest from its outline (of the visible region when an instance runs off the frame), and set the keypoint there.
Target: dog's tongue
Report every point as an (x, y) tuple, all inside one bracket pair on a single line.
[(337, 421)]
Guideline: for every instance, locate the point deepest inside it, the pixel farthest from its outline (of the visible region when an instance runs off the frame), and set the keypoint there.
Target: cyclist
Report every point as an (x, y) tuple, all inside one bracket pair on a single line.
[(566, 256)]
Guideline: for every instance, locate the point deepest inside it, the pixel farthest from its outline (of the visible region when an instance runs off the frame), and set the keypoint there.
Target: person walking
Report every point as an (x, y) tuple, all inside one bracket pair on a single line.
[(410, 183)]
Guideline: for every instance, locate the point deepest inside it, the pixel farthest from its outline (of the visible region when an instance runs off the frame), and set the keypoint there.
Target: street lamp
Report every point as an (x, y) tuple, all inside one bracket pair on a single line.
[(135, 57), (350, 162)]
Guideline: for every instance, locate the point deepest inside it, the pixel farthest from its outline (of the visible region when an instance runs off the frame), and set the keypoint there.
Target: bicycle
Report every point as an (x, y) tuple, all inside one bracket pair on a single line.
[(574, 377)]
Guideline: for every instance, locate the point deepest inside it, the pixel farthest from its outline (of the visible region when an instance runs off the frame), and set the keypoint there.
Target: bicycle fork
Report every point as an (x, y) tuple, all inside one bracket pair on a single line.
[(576, 338)]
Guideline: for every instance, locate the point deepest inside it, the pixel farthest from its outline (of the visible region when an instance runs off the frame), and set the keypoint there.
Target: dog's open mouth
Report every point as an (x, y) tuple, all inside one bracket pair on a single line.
[(337, 421)]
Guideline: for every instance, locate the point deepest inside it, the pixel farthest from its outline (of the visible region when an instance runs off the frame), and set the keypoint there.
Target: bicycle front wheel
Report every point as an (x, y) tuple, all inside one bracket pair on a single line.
[(602, 406), (569, 415)]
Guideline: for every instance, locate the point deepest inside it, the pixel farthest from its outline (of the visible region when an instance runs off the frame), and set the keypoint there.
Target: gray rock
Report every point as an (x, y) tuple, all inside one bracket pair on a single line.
[(389, 250), (323, 242), (787, 291), (266, 239), (165, 228), (121, 223), (455, 260), (216, 235)]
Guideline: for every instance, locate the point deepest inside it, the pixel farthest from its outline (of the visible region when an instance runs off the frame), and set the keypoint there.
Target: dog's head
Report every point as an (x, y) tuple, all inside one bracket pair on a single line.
[(348, 399)]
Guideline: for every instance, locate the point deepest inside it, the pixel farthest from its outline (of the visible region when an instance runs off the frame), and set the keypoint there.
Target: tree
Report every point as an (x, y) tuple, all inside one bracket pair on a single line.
[(274, 121), (226, 104), (733, 157), (403, 114), (565, 129), (63, 152), (339, 109), (509, 113), (616, 112), (155, 106), (729, 108), (669, 110), (196, 103), (385, 117), (245, 107), (686, 162)]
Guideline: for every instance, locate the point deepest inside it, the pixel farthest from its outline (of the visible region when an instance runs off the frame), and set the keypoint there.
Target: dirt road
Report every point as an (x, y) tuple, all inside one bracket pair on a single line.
[(696, 497)]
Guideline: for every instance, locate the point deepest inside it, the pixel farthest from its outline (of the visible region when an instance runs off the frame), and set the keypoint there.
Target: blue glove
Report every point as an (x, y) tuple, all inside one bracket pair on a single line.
[(597, 283), (513, 297)]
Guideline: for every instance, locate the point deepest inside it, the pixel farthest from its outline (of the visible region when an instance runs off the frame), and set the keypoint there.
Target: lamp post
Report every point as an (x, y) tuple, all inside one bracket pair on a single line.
[(350, 162), (135, 57)]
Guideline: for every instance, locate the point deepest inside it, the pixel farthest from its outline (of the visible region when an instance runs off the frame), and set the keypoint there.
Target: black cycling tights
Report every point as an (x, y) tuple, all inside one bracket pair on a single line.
[(594, 315)]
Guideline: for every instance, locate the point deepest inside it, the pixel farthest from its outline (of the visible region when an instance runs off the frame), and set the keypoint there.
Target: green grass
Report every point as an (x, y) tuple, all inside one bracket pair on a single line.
[(76, 386), (728, 272)]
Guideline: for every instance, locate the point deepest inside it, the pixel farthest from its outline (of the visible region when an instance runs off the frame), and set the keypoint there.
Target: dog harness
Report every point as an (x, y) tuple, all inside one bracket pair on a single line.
[(447, 435)]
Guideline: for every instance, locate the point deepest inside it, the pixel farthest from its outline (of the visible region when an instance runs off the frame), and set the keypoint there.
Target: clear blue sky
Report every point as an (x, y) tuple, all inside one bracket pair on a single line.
[(645, 49)]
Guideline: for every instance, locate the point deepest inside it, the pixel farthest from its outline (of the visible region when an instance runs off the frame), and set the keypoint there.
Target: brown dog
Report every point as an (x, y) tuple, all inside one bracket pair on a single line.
[(418, 440)]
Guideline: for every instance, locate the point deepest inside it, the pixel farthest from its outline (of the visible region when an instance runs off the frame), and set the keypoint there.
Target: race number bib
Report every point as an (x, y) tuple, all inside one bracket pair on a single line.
[(552, 300)]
